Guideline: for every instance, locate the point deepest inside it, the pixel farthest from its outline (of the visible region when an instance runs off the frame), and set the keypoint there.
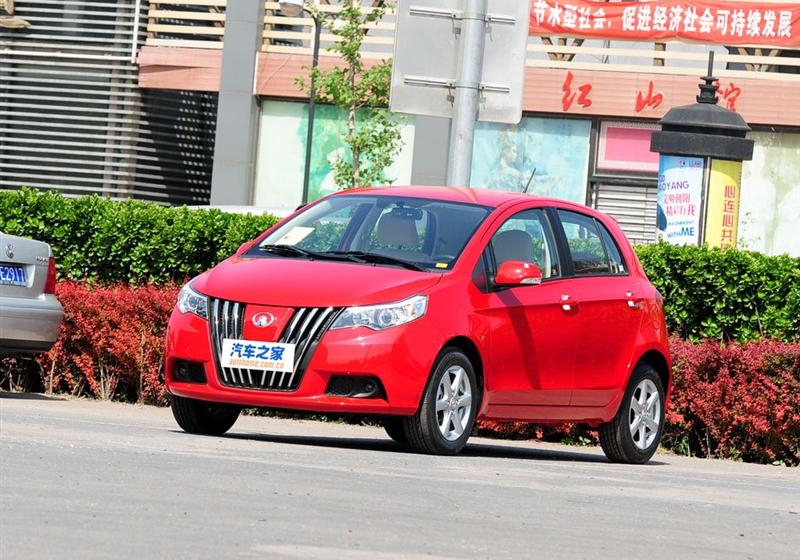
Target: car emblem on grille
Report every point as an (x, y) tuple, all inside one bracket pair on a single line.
[(10, 251), (263, 320)]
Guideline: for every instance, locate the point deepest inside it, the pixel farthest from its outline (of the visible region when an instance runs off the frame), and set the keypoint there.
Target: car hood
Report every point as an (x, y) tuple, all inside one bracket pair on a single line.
[(290, 282)]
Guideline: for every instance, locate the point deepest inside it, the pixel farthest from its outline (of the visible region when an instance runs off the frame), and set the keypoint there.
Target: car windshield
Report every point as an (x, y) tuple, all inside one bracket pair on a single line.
[(415, 233)]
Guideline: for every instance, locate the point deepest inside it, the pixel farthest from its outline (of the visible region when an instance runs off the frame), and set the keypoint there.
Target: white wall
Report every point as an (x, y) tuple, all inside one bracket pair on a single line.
[(769, 216)]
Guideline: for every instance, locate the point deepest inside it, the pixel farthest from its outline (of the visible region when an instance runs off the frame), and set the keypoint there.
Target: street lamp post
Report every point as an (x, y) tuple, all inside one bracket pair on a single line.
[(293, 8)]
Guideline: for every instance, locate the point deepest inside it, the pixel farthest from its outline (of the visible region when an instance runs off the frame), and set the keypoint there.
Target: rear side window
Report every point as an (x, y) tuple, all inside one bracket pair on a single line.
[(612, 250), (591, 246)]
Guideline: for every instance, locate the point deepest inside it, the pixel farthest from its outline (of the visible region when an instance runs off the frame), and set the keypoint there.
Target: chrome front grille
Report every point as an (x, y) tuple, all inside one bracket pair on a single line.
[(304, 330)]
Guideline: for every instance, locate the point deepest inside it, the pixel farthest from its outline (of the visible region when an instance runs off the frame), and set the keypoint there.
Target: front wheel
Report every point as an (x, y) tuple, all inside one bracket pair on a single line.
[(445, 418), (635, 432), (200, 417), (395, 430)]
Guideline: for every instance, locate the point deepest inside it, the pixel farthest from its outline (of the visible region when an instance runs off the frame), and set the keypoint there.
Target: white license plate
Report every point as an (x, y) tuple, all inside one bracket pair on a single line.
[(254, 355)]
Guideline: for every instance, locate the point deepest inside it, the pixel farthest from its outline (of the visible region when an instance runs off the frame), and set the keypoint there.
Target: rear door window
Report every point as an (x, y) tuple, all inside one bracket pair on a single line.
[(615, 260), (592, 249)]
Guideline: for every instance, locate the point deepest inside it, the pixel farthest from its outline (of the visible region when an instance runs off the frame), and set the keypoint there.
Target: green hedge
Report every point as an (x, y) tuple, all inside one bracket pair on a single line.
[(725, 294), (708, 293), (99, 239)]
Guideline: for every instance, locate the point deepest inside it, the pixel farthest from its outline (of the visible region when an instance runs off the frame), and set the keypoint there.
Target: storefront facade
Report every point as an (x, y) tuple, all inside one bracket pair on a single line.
[(590, 106), (73, 117)]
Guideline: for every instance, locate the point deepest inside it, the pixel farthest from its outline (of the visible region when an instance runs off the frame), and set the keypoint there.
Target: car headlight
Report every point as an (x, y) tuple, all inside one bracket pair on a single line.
[(378, 317), (190, 301)]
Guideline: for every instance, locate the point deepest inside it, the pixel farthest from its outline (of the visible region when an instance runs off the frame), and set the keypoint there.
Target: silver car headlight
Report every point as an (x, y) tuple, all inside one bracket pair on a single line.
[(190, 301), (379, 317)]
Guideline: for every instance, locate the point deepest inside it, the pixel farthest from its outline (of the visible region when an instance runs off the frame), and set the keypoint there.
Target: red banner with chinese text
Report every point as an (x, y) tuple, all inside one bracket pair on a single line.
[(706, 21)]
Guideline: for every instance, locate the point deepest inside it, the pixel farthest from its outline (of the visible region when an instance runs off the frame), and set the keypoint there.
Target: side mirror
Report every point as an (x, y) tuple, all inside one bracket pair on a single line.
[(243, 247), (518, 273)]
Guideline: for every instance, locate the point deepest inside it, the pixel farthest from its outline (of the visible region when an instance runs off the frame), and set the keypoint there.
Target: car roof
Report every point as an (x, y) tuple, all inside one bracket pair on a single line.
[(483, 197)]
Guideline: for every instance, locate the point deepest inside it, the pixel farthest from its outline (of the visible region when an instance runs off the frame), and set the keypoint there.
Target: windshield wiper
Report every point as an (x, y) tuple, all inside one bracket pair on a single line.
[(376, 258), (289, 251), (292, 251), (353, 256)]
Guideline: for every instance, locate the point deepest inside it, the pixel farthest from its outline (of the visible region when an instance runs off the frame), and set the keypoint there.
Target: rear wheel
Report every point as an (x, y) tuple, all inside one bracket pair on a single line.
[(394, 428), (447, 413), (200, 417), (22, 375), (635, 432)]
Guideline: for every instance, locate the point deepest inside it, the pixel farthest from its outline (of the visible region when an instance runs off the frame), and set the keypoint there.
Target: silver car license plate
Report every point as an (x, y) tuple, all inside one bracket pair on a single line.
[(12, 275)]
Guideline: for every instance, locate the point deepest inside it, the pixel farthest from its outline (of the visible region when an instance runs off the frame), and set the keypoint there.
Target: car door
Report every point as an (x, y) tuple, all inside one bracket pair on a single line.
[(607, 297), (533, 333)]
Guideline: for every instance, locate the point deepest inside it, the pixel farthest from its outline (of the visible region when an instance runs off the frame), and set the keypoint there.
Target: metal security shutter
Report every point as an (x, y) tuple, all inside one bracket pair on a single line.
[(73, 119), (175, 147), (634, 207)]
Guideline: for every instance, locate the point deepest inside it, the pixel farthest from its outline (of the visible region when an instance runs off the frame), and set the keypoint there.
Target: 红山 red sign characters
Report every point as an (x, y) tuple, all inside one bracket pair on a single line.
[(706, 21)]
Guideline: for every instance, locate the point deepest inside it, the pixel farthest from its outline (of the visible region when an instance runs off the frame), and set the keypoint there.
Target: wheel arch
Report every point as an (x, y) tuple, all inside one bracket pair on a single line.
[(470, 349), (659, 362)]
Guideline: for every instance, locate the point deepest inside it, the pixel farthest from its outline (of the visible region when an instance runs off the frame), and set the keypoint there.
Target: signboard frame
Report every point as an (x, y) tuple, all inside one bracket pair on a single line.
[(427, 60)]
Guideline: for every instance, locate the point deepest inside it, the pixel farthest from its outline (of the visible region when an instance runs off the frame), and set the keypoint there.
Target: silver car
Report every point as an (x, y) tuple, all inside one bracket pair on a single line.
[(30, 314)]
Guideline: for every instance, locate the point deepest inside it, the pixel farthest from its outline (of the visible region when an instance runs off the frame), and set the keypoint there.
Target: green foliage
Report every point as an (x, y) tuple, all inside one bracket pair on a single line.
[(725, 294), (326, 237), (373, 147), (99, 239), (708, 293), (375, 142)]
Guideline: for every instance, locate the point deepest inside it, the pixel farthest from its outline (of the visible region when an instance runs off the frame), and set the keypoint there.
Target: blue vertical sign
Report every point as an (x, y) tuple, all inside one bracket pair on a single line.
[(680, 188)]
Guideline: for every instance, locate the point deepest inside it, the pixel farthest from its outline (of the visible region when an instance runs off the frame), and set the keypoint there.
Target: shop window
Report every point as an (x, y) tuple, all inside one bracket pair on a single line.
[(541, 156)]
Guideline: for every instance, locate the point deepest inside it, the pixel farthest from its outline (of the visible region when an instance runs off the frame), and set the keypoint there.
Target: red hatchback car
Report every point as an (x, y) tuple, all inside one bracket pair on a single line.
[(429, 307)]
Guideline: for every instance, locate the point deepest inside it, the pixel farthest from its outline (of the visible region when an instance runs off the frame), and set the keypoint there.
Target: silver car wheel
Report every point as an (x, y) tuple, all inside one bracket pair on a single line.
[(453, 403), (645, 414)]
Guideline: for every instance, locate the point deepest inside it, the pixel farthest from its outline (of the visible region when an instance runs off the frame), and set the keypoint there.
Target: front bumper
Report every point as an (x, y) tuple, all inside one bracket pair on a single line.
[(400, 357), (29, 325)]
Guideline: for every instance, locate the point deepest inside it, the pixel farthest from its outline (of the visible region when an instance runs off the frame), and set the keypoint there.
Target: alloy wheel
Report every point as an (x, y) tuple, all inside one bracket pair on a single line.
[(453, 403), (644, 414)]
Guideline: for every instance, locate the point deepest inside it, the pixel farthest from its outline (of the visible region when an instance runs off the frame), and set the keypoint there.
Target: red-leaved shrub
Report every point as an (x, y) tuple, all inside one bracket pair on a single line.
[(111, 344), (567, 433), (735, 400)]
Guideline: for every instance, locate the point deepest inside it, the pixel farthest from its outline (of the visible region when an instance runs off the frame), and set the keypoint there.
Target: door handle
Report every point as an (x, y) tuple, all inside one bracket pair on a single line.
[(567, 303)]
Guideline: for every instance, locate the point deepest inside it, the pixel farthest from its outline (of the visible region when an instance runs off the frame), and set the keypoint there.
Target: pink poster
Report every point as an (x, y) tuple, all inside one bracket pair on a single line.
[(625, 146)]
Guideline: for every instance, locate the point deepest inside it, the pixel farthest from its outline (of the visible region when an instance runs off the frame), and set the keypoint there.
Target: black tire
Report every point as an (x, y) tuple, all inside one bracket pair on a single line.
[(33, 377), (422, 429), (200, 417), (23, 374), (395, 430), (616, 438)]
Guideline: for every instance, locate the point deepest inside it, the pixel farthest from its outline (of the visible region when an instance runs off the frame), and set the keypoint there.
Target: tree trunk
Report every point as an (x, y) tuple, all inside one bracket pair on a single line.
[(351, 129)]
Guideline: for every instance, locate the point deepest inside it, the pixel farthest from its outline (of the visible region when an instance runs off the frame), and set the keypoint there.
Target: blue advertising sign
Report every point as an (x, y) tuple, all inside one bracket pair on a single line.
[(680, 188)]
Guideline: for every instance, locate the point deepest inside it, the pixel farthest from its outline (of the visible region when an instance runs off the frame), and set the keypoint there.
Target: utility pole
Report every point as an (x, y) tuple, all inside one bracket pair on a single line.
[(467, 93)]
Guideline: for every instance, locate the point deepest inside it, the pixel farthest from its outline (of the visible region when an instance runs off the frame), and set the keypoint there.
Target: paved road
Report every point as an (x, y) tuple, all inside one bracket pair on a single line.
[(98, 480)]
